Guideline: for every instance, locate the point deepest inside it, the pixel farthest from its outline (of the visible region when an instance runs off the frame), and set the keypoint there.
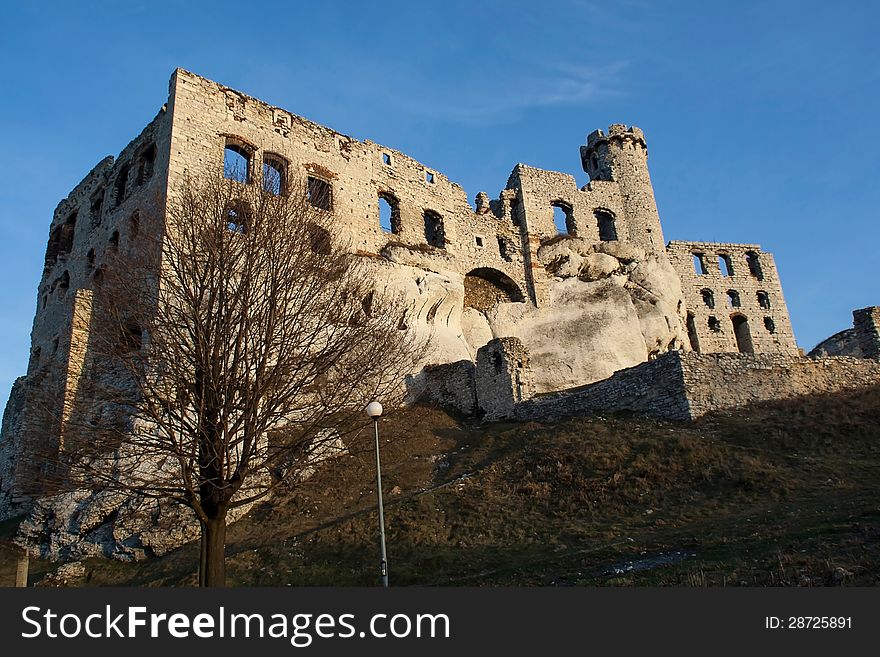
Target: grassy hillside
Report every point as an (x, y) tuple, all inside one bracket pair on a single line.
[(780, 494)]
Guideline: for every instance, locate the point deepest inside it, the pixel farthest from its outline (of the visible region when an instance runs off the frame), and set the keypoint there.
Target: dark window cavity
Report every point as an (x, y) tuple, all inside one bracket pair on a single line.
[(725, 264), (733, 299), (61, 240), (770, 325), (692, 332), (754, 265), (95, 208), (114, 240), (435, 233), (478, 240), (763, 299), (320, 193), (743, 334), (319, 239), (708, 297), (606, 224), (429, 177), (714, 324), (700, 264), (386, 159), (145, 161), (121, 185)]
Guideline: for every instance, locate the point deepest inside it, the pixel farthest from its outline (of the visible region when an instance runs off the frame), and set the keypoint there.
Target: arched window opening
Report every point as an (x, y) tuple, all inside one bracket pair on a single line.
[(389, 213), (725, 265), (274, 175), (319, 239), (692, 332), (145, 161), (743, 334), (563, 218), (320, 193), (95, 207), (708, 297), (236, 162), (714, 324), (733, 299), (700, 264), (754, 265), (114, 240), (435, 232), (763, 299), (485, 287), (770, 325), (64, 282), (237, 217), (90, 257), (131, 337), (607, 227), (121, 184)]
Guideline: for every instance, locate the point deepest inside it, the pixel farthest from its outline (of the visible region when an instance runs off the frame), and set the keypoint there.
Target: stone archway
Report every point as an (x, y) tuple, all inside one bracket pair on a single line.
[(743, 334), (485, 287)]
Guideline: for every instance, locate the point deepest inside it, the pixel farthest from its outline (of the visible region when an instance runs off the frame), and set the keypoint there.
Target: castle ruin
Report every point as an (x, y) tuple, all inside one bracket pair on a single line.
[(516, 303)]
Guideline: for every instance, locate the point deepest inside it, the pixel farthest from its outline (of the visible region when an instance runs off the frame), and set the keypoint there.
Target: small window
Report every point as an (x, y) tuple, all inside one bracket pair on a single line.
[(236, 163), (121, 184), (754, 265), (505, 249), (389, 213), (708, 297), (131, 338), (435, 233), (714, 324), (733, 299), (700, 264), (770, 325), (725, 265), (429, 177), (274, 175), (478, 241), (96, 207), (563, 218), (319, 239), (763, 299), (237, 217), (320, 193), (386, 159), (145, 163), (90, 258), (114, 240), (607, 227)]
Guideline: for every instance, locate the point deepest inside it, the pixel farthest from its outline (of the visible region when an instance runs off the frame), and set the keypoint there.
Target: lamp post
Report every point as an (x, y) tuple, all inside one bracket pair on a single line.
[(374, 410)]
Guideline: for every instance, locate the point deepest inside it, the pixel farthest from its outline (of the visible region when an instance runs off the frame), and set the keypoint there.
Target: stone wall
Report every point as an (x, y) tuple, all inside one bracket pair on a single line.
[(685, 386), (866, 325), (655, 388), (746, 286)]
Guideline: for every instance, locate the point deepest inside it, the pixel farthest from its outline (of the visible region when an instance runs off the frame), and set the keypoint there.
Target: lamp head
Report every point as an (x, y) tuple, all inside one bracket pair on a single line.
[(374, 410)]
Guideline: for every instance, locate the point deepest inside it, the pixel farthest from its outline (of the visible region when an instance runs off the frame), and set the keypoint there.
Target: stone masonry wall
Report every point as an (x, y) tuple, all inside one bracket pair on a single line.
[(724, 381), (654, 388), (866, 325), (711, 297), (685, 386)]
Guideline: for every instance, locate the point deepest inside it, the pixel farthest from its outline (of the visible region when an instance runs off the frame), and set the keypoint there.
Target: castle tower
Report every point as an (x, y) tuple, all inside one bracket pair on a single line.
[(621, 156)]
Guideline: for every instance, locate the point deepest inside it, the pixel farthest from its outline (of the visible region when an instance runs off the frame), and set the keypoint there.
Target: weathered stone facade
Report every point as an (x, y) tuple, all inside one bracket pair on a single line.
[(514, 306), (860, 341)]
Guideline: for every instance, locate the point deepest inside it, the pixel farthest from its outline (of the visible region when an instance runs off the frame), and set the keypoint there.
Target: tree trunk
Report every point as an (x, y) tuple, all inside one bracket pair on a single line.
[(214, 549), (203, 543)]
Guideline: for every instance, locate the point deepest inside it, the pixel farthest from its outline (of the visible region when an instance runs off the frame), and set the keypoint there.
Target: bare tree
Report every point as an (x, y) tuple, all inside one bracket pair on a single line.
[(232, 340)]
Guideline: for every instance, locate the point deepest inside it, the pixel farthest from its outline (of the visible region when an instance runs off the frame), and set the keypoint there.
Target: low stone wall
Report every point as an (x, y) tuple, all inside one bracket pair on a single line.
[(685, 386), (450, 386), (723, 381), (653, 388)]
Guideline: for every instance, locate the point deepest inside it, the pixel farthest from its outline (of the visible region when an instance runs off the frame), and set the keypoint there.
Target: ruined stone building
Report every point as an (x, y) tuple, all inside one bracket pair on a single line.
[(546, 287)]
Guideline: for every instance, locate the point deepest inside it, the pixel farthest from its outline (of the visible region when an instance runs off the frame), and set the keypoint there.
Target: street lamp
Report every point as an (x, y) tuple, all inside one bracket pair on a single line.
[(374, 410)]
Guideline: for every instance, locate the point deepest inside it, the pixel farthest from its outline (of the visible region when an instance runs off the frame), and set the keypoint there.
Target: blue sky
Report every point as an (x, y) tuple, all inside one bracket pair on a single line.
[(760, 116)]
